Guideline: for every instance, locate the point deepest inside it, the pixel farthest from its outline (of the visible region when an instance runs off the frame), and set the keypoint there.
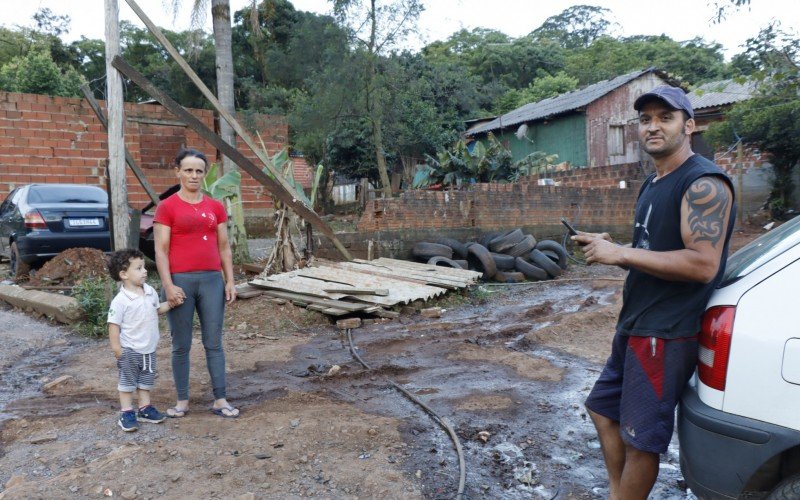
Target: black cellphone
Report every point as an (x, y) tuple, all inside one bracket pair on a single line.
[(569, 227)]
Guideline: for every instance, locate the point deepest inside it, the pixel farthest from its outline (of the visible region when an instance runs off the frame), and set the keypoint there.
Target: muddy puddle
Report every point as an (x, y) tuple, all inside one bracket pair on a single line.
[(515, 403)]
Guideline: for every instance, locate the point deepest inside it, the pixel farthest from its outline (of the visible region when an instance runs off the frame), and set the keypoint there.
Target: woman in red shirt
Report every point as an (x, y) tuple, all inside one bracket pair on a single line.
[(195, 262)]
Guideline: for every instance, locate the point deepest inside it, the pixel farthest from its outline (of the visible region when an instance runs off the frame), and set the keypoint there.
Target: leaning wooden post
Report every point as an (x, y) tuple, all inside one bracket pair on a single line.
[(118, 195), (87, 93)]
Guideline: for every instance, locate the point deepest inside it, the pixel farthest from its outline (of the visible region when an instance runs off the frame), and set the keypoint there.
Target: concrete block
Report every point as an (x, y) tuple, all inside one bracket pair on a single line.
[(59, 307)]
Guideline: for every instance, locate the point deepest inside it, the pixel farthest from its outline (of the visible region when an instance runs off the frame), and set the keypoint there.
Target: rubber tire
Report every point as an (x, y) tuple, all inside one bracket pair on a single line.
[(424, 251), (543, 261), (462, 263), (531, 271), (506, 241), (524, 247), (503, 262), (19, 268), (459, 249), (481, 260), (487, 238), (788, 489), (509, 277), (556, 247), (444, 262)]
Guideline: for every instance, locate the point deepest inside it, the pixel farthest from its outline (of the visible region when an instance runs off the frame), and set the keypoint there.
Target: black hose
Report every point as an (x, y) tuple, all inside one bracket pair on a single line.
[(462, 479)]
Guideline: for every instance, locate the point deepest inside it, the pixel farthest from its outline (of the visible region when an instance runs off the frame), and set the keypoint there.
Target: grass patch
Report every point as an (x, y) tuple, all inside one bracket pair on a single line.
[(94, 295)]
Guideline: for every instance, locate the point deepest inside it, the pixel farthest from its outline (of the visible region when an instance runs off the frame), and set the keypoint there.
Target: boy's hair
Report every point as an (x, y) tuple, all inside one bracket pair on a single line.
[(120, 261)]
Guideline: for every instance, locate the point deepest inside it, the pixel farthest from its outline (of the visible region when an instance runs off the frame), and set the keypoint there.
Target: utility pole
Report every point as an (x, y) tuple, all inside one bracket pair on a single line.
[(118, 187)]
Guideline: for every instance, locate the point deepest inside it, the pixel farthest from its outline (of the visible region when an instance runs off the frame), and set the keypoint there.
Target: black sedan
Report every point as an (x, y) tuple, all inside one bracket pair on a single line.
[(38, 221)]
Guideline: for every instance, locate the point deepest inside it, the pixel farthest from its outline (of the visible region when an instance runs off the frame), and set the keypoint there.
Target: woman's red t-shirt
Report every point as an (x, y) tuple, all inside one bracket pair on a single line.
[(193, 233)]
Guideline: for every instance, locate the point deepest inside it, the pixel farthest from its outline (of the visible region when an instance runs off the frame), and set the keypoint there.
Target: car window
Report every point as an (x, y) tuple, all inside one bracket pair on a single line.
[(9, 203), (761, 250), (66, 194)]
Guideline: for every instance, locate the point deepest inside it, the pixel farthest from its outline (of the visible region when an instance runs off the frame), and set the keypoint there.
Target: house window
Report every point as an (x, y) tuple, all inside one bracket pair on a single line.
[(616, 140)]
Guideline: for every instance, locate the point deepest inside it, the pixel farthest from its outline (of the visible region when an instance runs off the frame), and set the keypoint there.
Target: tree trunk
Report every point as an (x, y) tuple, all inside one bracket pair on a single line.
[(373, 106), (221, 20)]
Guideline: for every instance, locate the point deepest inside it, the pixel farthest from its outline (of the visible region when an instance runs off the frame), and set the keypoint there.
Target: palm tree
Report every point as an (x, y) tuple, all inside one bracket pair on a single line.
[(221, 22)]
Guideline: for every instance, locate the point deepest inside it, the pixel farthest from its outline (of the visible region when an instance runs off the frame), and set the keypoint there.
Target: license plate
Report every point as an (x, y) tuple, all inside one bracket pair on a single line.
[(95, 222)]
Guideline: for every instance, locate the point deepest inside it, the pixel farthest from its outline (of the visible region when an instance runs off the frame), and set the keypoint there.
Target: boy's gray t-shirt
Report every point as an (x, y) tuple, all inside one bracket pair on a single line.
[(137, 317)]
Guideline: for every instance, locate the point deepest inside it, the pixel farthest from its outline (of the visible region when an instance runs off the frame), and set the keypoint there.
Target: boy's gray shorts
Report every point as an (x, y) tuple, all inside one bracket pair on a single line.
[(136, 370)]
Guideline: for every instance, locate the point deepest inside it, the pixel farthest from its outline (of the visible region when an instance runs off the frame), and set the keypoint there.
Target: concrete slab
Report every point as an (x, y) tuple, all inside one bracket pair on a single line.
[(59, 307)]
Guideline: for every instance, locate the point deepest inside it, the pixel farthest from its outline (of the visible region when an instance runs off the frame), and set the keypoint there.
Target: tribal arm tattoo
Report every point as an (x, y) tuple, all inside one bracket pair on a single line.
[(708, 199)]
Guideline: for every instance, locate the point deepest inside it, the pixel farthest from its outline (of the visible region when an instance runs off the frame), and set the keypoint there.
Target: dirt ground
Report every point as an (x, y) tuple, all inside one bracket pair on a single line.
[(507, 365)]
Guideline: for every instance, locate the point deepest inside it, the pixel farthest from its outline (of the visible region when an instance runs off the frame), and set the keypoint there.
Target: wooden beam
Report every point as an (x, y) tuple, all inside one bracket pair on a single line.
[(338, 304), (118, 187), (271, 184), (381, 292), (156, 32), (87, 92)]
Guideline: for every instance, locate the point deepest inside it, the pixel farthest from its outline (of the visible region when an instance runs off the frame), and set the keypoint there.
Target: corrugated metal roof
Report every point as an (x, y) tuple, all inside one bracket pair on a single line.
[(558, 104), (719, 93)]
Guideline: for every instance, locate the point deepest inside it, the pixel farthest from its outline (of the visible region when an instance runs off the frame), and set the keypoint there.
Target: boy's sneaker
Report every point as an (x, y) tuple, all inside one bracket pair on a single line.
[(127, 421), (150, 414)]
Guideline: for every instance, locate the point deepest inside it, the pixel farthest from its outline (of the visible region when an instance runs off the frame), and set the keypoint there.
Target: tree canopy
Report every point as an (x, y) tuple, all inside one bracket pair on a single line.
[(353, 98)]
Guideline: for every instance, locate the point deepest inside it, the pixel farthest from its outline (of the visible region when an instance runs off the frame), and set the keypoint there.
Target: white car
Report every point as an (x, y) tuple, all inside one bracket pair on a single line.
[(739, 418)]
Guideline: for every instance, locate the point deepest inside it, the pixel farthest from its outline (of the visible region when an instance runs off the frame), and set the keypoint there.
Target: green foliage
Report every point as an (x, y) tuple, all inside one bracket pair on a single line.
[(541, 88), (36, 73), (94, 295), (485, 163), (221, 187), (770, 120), (577, 26)]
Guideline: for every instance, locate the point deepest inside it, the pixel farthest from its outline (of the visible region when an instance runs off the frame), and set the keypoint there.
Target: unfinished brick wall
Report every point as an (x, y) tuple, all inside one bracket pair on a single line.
[(495, 206), (57, 139), (596, 177), (390, 228)]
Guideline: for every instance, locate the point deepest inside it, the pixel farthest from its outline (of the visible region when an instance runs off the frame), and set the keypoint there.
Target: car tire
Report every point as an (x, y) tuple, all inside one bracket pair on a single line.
[(555, 247), (424, 251), (481, 260), (543, 261), (444, 262), (506, 241), (503, 262), (788, 489), (487, 238), (531, 271), (19, 268), (458, 248), (524, 247), (509, 277)]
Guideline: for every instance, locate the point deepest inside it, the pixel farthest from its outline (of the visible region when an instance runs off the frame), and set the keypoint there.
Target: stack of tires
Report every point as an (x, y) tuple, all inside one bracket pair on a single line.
[(508, 257)]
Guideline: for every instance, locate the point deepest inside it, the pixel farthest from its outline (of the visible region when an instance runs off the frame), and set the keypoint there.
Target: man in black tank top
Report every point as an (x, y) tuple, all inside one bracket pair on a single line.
[(683, 222)]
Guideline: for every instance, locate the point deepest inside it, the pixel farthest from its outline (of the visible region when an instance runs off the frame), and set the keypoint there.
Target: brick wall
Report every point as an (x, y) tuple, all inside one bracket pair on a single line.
[(57, 139), (597, 177), (393, 226)]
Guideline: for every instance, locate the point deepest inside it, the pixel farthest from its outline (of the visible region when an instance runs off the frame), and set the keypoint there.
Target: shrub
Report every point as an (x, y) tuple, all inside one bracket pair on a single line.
[(94, 296)]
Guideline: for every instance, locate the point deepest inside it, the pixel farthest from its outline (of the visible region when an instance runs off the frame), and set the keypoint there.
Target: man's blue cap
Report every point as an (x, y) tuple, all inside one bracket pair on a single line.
[(674, 97)]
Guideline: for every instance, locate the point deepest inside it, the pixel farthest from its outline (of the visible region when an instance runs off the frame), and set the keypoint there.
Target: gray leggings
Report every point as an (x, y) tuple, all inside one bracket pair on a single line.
[(205, 292)]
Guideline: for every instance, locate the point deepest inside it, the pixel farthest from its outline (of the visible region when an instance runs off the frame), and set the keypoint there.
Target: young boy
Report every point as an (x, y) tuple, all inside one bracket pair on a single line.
[(133, 334)]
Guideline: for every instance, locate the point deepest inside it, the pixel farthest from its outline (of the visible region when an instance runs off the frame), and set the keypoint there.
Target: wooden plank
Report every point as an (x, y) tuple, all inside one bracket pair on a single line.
[(399, 291), (242, 161), (465, 274), (87, 93), (349, 306), (359, 291), (330, 311), (390, 272), (253, 267)]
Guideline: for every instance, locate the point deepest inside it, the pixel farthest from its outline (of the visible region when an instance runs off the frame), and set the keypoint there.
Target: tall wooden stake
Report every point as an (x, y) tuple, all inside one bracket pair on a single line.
[(118, 195)]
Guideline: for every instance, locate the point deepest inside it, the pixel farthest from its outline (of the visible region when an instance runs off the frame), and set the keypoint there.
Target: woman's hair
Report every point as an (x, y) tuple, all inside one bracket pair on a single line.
[(184, 152)]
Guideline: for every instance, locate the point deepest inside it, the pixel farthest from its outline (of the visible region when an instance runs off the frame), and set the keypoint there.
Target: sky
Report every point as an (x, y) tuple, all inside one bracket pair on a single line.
[(678, 19)]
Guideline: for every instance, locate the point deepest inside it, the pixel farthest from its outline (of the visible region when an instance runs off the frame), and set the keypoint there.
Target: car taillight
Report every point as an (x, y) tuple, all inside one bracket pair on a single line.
[(34, 220), (715, 345)]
